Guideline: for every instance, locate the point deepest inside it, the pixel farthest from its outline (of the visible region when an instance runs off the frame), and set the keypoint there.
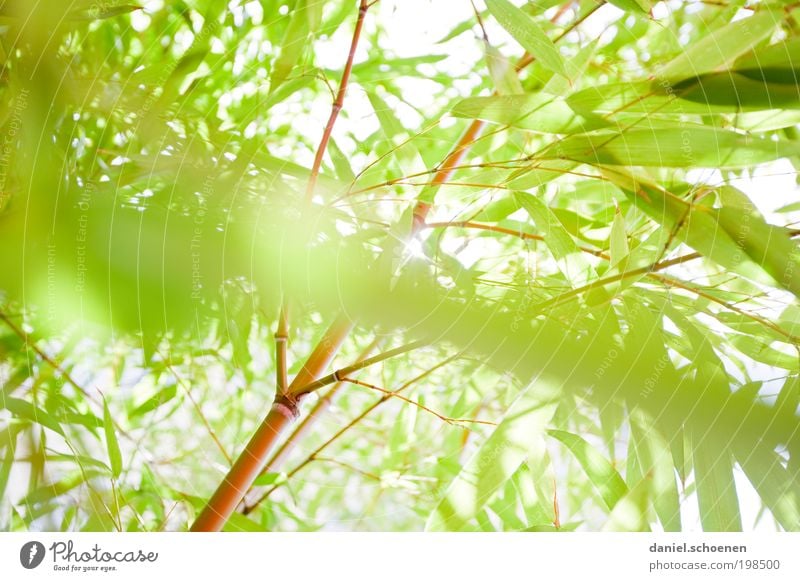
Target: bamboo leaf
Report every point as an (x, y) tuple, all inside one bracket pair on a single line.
[(502, 71), (112, 444), (655, 463), (768, 246), (24, 410), (163, 396), (605, 479), (103, 11), (738, 92), (293, 45), (496, 460), (571, 261), (716, 489), (776, 486), (6, 465), (618, 242), (540, 112), (630, 514), (720, 49), (669, 147), (701, 228), (638, 6), (526, 32), (239, 523), (47, 492)]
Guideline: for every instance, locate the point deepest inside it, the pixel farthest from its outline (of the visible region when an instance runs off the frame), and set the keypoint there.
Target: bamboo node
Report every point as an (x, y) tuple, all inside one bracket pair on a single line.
[(287, 405)]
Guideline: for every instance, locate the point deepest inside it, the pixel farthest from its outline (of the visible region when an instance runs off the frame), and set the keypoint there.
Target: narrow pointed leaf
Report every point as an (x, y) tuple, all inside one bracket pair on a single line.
[(526, 32), (716, 489), (571, 261), (605, 479), (496, 460), (720, 49), (112, 444)]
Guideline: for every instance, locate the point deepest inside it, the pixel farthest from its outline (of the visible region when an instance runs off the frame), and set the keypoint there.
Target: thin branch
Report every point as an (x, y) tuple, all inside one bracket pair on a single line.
[(348, 466), (446, 419), (199, 411), (338, 103), (341, 374), (502, 230), (473, 132)]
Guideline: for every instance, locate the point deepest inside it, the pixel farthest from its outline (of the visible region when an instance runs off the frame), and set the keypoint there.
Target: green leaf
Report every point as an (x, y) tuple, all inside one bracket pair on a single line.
[(638, 6), (270, 478), (792, 207), (630, 514), (496, 460), (776, 62), (293, 45), (112, 444), (163, 396), (720, 49), (768, 246), (606, 480), (5, 466), (502, 71), (707, 231), (738, 92), (539, 112), (49, 491), (775, 485), (618, 241), (24, 410), (238, 523), (571, 261), (526, 32), (692, 146), (655, 461), (716, 489), (103, 11), (340, 162), (576, 67)]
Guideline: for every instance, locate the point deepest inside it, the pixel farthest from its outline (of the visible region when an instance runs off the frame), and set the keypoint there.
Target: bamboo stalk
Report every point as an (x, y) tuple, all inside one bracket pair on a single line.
[(304, 427), (244, 471), (285, 407), (282, 414)]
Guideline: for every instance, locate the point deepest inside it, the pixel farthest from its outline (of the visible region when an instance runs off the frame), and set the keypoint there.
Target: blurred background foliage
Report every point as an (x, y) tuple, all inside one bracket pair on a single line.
[(607, 286)]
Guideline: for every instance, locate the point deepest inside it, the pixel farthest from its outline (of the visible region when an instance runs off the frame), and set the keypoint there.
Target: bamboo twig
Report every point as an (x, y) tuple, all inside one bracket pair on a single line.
[(338, 103), (343, 373), (446, 419)]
